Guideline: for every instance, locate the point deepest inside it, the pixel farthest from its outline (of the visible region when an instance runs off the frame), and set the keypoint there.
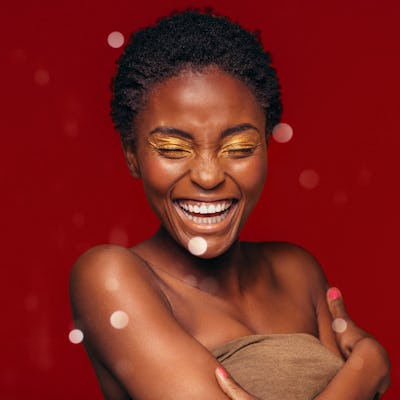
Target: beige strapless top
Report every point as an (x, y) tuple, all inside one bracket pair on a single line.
[(294, 366)]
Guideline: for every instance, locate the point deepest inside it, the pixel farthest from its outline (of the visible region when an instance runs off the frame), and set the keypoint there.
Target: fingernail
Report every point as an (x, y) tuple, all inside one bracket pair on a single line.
[(222, 372), (334, 293)]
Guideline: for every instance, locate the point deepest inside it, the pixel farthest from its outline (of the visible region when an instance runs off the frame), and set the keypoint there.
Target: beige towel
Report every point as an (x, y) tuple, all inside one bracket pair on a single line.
[(291, 366)]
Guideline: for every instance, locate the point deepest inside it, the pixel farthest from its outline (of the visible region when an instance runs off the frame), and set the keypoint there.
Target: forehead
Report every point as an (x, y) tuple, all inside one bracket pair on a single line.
[(195, 100)]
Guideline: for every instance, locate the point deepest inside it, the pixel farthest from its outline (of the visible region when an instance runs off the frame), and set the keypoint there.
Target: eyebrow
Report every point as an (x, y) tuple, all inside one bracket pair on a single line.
[(168, 130)]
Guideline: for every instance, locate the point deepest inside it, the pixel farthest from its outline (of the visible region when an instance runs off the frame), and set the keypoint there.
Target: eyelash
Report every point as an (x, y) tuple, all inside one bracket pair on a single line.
[(178, 152), (240, 152), (172, 152)]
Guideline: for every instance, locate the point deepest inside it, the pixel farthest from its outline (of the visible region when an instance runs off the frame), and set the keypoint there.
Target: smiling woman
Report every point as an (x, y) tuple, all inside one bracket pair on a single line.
[(195, 101), (200, 149)]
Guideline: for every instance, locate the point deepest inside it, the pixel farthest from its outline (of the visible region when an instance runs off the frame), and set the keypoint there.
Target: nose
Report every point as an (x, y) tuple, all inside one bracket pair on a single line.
[(207, 173)]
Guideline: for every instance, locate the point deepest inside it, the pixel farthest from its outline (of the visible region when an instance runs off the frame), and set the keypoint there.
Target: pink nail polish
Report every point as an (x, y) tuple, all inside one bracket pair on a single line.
[(222, 372), (334, 293)]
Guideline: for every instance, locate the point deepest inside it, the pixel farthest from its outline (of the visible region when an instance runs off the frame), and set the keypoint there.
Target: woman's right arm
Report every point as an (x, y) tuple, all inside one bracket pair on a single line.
[(131, 331)]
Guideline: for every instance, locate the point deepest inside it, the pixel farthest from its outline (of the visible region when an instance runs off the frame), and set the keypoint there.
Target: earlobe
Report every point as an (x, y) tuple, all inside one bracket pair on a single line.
[(131, 160), (132, 164), (134, 170)]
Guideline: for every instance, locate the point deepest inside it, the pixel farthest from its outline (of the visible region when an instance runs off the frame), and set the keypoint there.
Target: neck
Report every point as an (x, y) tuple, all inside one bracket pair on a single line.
[(222, 275)]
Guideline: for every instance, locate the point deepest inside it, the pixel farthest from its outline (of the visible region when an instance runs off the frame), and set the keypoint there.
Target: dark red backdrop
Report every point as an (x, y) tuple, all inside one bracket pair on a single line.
[(65, 186)]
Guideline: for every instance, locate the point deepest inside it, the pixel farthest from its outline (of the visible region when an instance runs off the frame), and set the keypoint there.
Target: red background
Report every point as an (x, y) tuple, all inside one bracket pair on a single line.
[(65, 186)]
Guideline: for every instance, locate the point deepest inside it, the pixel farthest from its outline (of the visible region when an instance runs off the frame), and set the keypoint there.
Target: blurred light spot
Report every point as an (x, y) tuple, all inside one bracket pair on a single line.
[(309, 179), (339, 325), (31, 302), (119, 319), (356, 362), (364, 177), (115, 39), (71, 128), (197, 245), (340, 198), (41, 77), (209, 285), (191, 280), (282, 133), (112, 284), (119, 236), (78, 220), (75, 336)]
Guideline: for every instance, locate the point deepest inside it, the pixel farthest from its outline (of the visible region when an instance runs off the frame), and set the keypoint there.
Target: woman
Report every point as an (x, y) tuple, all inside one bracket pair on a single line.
[(195, 101)]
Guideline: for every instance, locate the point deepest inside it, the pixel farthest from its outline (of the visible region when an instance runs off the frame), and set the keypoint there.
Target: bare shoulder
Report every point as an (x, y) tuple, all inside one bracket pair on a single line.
[(299, 270), (294, 264), (104, 268), (104, 259)]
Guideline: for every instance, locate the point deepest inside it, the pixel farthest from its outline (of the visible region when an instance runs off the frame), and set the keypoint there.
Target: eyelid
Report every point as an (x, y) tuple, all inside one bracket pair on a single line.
[(239, 149), (170, 147)]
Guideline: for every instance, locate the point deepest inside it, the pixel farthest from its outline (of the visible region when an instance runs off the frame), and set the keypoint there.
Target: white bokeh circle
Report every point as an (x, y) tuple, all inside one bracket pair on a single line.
[(119, 319), (115, 39), (75, 336), (309, 179), (339, 325), (197, 245), (282, 132)]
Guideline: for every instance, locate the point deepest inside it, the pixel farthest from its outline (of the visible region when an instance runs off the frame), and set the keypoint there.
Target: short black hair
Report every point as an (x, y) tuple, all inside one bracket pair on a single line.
[(192, 39)]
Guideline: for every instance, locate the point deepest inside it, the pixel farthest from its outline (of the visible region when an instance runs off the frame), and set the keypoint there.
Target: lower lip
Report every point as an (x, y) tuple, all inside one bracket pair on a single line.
[(205, 223)]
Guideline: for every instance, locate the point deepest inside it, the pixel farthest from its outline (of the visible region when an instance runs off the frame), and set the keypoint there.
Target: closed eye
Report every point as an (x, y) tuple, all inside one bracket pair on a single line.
[(239, 152), (172, 152)]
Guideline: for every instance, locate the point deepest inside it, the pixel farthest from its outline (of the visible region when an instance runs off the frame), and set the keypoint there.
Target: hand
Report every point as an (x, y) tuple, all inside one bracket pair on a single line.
[(230, 387), (349, 335)]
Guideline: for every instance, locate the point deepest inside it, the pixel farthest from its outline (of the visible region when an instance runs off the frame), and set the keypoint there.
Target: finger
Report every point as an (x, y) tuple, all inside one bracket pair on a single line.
[(336, 303), (230, 387)]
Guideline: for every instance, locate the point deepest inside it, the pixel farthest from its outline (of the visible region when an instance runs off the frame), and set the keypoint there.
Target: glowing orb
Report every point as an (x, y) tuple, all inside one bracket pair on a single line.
[(309, 179), (41, 77), (339, 325), (119, 319), (197, 245), (75, 336), (282, 133), (115, 39)]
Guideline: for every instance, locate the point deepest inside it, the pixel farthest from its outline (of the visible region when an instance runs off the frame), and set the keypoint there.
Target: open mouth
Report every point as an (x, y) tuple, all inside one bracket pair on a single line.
[(206, 212)]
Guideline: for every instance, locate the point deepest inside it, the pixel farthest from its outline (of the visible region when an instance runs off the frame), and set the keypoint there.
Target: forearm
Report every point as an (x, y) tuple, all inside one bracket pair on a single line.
[(361, 376)]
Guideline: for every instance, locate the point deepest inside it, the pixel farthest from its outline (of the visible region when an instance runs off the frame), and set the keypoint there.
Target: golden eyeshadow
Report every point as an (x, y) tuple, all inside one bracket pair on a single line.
[(238, 143), (170, 145)]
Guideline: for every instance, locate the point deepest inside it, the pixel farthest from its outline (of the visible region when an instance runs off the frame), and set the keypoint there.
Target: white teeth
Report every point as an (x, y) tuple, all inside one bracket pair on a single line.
[(205, 208), (207, 220)]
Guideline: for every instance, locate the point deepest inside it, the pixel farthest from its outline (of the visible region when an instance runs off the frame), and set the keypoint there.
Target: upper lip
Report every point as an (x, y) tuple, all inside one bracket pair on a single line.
[(205, 200)]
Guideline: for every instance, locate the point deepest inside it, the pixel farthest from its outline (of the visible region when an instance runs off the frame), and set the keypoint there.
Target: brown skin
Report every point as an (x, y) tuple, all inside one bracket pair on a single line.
[(181, 306)]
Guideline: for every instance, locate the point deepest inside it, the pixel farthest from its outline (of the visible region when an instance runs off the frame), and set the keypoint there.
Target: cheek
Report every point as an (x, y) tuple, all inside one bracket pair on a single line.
[(159, 175), (250, 176)]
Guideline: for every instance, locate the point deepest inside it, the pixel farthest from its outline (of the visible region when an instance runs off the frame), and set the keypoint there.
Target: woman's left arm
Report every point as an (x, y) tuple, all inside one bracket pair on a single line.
[(366, 372), (364, 376)]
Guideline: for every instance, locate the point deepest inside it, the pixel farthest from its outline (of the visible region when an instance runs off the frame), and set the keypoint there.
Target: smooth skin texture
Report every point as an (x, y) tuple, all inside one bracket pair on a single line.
[(199, 140)]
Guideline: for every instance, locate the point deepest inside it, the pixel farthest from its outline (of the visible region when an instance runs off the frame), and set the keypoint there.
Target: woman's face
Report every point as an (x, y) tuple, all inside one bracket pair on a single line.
[(200, 150)]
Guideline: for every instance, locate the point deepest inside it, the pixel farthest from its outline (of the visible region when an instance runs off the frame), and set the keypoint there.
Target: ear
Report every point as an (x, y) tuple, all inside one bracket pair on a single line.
[(131, 159)]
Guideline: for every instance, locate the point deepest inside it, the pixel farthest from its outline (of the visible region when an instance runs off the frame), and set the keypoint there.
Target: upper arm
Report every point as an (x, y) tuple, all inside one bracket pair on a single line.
[(307, 274), (318, 286), (152, 356)]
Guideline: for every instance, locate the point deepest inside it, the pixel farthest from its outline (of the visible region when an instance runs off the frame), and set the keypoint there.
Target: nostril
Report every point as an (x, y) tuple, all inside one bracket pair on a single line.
[(207, 175)]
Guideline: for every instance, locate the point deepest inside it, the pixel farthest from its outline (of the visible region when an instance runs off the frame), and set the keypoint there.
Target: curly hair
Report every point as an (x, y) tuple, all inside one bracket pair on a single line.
[(193, 40)]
